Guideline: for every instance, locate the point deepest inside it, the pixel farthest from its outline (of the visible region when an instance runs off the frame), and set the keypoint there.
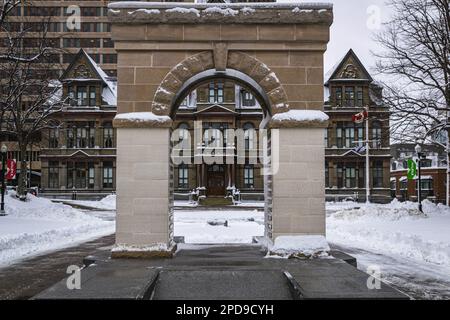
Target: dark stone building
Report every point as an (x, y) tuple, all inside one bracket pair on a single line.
[(350, 88)]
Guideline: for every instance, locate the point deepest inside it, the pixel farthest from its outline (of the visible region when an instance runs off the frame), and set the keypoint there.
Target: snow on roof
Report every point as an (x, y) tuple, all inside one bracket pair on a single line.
[(170, 5), (141, 117), (301, 115), (109, 93)]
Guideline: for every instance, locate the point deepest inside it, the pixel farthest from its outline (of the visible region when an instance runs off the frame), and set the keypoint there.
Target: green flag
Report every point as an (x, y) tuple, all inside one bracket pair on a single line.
[(412, 169)]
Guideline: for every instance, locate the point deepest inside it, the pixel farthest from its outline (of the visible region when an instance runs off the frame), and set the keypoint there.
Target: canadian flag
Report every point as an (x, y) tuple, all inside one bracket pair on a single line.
[(359, 117)]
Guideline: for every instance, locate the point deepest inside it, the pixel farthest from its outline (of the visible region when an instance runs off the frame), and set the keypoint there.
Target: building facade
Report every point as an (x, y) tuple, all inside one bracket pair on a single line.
[(349, 88), (433, 173), (217, 106), (79, 156)]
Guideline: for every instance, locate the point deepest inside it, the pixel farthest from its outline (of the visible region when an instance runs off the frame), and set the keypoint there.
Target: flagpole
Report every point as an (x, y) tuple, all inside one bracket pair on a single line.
[(367, 158)]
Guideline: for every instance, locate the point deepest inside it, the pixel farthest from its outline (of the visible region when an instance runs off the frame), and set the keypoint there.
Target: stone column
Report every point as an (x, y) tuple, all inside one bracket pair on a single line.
[(298, 188), (144, 219)]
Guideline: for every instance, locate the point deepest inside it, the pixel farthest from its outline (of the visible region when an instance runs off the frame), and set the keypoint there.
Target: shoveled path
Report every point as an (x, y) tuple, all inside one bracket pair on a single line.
[(27, 278)]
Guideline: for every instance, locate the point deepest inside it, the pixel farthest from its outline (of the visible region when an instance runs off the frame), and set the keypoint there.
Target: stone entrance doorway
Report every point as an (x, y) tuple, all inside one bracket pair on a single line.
[(164, 49), (215, 180)]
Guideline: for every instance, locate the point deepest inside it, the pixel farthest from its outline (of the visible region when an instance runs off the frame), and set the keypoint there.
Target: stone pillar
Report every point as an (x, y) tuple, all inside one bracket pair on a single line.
[(144, 224), (298, 187)]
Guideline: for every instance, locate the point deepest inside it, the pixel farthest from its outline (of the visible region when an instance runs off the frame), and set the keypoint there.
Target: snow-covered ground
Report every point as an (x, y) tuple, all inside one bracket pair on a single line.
[(39, 225), (411, 248), (208, 226)]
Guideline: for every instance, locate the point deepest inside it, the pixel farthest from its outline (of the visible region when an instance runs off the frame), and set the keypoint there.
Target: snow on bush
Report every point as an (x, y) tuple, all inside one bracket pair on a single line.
[(394, 229), (304, 246)]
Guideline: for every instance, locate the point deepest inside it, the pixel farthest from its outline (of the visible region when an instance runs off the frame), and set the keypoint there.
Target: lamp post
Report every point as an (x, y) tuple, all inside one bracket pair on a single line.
[(3, 150), (420, 155)]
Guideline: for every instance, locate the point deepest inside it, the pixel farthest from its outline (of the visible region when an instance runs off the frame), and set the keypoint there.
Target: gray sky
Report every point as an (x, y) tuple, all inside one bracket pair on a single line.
[(353, 27)]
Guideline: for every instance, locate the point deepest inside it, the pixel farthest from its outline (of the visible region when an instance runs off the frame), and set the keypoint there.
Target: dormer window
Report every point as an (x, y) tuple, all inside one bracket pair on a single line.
[(92, 96), (338, 96), (82, 96), (359, 97), (215, 92), (349, 96)]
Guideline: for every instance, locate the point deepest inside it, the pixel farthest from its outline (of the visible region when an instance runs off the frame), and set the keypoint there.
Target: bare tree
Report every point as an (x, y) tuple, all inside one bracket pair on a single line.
[(416, 61), (28, 95)]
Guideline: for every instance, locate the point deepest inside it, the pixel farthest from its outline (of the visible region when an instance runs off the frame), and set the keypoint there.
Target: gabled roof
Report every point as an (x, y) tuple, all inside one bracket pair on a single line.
[(109, 93), (216, 108), (348, 68)]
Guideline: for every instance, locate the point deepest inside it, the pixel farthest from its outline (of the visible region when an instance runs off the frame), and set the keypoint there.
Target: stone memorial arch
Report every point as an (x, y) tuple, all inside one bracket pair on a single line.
[(164, 49)]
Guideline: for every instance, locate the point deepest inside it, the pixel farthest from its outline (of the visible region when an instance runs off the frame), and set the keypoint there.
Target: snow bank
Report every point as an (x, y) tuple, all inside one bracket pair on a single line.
[(306, 246), (106, 203), (396, 229), (301, 115), (39, 225)]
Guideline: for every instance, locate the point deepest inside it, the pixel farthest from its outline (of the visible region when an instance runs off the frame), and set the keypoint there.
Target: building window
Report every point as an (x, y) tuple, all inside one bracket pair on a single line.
[(183, 176), (360, 129), (81, 135), (404, 188), (376, 135), (359, 96), (349, 136), (248, 100), (107, 174), (338, 95), (249, 135), (349, 97), (92, 96), (108, 135), (339, 142), (53, 174), (248, 176), (426, 186), (110, 58), (377, 174), (327, 175), (53, 137), (350, 176), (82, 96), (339, 176), (215, 93), (326, 137), (91, 176)]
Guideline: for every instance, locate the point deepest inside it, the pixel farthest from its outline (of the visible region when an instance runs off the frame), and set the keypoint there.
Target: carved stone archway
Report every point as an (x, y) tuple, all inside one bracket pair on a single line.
[(163, 46)]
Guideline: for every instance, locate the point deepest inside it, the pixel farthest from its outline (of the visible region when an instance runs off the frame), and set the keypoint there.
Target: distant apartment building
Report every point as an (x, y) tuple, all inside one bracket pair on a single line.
[(348, 89), (433, 173)]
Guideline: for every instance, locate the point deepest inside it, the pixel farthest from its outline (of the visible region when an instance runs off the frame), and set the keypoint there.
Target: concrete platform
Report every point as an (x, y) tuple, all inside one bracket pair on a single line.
[(234, 272)]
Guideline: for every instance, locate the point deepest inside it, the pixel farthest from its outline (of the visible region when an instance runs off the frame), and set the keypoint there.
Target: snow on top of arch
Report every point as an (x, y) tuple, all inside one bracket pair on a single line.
[(301, 115), (141, 117)]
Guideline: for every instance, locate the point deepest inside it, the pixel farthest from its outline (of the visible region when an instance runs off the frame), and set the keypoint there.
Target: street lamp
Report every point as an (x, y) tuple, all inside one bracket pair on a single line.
[(420, 155), (4, 150)]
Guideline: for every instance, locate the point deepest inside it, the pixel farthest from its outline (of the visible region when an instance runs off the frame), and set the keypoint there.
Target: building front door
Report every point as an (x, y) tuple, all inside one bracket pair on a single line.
[(216, 180)]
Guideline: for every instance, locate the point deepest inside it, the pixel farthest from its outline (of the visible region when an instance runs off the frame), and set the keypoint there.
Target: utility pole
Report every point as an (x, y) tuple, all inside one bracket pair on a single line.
[(367, 158)]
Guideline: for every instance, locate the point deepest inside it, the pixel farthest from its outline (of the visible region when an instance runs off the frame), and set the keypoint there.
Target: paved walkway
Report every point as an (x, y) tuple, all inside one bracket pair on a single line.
[(29, 277), (220, 272)]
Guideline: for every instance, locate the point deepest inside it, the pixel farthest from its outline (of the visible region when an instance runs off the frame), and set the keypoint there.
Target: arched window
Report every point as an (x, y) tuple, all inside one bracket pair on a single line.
[(249, 134)]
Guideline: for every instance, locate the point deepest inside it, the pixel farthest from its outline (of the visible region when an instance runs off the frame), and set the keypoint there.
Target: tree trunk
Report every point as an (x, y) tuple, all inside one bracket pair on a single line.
[(22, 181)]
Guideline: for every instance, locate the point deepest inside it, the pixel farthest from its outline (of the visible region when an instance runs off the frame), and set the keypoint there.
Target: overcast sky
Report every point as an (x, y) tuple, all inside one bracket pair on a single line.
[(355, 21)]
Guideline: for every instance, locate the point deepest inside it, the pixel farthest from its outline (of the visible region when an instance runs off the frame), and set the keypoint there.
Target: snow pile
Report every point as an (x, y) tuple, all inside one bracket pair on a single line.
[(155, 247), (141, 117), (248, 10), (301, 115), (106, 203), (298, 10), (222, 11), (184, 11), (304, 246), (39, 225), (396, 229), (145, 11)]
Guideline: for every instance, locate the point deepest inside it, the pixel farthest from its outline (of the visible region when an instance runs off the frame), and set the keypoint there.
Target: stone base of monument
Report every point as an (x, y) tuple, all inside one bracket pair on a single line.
[(143, 252), (220, 272)]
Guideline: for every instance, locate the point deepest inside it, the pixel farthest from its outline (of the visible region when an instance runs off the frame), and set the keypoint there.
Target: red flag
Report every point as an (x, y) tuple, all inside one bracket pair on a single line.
[(11, 168), (359, 117)]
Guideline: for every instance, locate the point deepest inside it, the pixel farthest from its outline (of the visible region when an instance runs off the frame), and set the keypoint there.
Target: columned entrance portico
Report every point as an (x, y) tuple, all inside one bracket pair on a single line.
[(163, 49)]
